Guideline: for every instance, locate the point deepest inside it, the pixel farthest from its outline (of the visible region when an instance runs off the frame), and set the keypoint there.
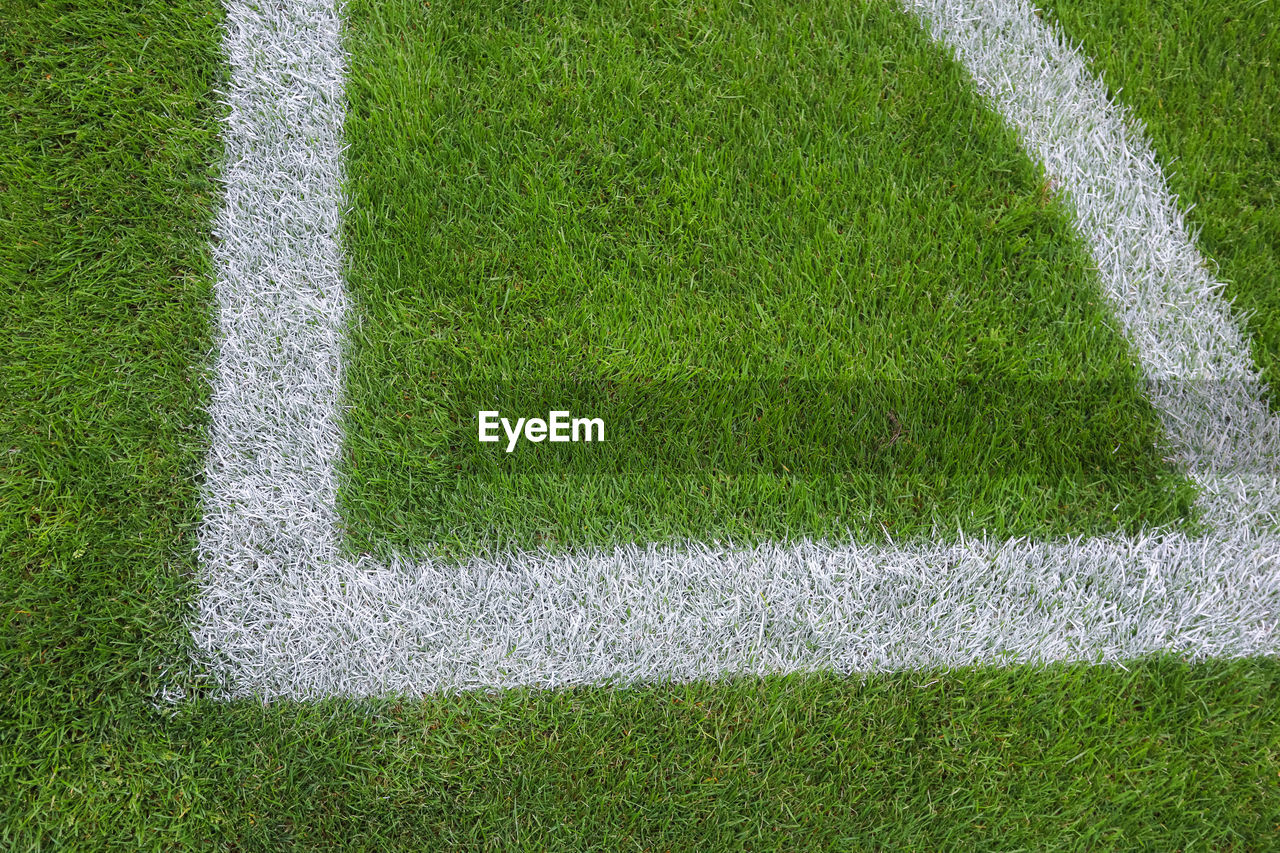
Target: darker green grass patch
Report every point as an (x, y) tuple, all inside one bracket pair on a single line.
[(1204, 78), (811, 286), (106, 194), (1162, 755)]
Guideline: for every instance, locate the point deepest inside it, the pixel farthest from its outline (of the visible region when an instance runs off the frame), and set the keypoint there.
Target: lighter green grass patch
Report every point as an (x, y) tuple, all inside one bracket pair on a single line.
[(811, 284)]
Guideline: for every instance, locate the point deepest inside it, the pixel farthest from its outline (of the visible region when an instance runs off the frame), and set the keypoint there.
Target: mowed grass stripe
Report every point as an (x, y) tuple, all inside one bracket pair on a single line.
[(107, 166), (814, 285), (1162, 754), (1203, 76), (107, 190)]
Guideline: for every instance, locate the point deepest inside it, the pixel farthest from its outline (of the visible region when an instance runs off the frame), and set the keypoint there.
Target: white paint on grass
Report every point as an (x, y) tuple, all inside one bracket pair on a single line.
[(283, 613), (698, 611)]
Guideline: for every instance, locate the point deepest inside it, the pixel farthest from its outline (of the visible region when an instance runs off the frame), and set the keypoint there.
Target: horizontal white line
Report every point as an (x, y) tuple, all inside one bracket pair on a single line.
[(695, 612)]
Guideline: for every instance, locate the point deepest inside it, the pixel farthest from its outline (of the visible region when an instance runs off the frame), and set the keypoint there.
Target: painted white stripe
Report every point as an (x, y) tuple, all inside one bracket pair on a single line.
[(282, 613), (703, 612), (271, 482)]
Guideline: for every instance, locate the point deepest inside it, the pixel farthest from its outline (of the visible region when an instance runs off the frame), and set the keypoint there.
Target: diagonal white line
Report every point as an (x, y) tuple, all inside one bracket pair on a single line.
[(1202, 378), (283, 613)]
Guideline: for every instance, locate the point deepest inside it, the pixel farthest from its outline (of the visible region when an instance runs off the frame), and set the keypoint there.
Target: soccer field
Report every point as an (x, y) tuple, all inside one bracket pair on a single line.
[(937, 504), (693, 550)]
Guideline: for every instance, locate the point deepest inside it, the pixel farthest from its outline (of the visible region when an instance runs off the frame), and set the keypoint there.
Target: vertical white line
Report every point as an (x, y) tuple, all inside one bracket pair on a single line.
[(270, 499)]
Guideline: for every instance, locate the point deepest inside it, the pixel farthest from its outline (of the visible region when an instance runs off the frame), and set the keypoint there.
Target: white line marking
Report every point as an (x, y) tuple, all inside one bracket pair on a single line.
[(282, 613)]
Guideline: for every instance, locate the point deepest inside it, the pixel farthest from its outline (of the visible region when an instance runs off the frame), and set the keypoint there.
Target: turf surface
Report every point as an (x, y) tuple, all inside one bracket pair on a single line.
[(106, 191), (1161, 757), (1203, 77), (811, 286)]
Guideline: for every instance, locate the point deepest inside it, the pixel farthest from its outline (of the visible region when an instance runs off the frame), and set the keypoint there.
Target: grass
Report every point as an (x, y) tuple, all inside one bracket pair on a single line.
[(1165, 756), (1202, 75), (811, 286), (106, 186)]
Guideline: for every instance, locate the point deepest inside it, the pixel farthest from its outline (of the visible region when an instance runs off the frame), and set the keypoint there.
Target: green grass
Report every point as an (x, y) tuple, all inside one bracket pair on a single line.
[(809, 283), (1203, 76), (105, 182), (1163, 756)]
